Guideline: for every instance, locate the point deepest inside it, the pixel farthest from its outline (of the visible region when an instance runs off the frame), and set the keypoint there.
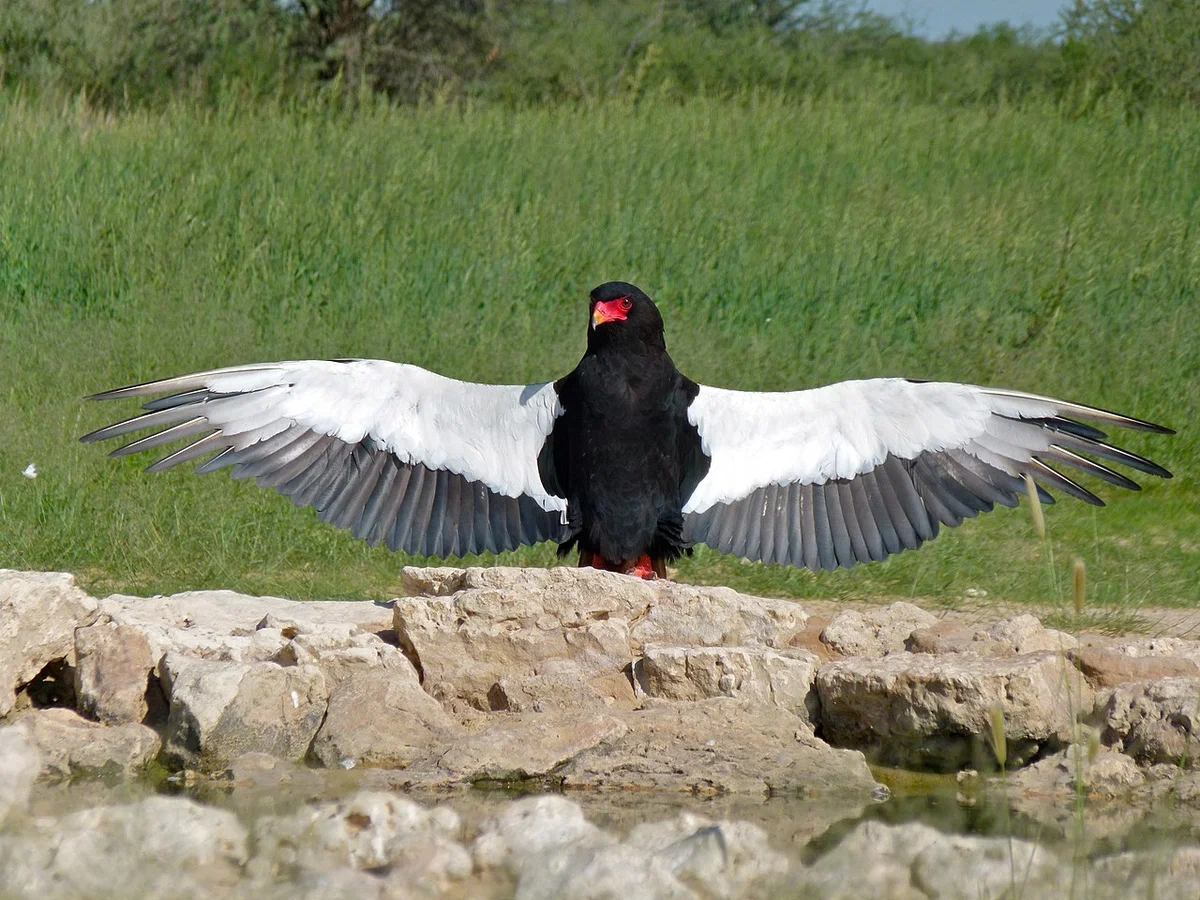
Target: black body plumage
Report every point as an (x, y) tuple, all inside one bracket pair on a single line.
[(623, 452), (607, 458)]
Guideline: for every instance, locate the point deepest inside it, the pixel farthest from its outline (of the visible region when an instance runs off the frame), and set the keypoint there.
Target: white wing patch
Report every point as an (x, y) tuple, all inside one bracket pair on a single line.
[(491, 434), (847, 429)]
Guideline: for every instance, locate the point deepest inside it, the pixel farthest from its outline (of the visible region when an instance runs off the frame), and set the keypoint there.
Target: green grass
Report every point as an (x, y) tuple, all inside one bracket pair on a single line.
[(788, 246)]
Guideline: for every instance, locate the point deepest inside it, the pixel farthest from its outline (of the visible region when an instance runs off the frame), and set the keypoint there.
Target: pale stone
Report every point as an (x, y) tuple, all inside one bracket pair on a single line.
[(937, 712), (381, 717), (220, 710), (781, 678), (368, 831), (71, 745), (721, 746), (20, 763), (875, 632), (532, 746), (1155, 721), (478, 627), (39, 612), (159, 847), (113, 672)]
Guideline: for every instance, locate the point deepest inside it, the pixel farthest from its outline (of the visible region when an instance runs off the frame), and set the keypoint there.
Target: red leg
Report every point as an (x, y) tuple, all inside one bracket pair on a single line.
[(595, 561)]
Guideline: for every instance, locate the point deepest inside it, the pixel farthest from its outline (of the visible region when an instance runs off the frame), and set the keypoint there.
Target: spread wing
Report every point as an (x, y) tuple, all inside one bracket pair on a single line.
[(395, 453), (860, 470)]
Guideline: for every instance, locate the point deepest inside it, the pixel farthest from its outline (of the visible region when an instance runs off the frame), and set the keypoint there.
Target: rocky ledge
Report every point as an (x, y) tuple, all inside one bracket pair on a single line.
[(559, 679)]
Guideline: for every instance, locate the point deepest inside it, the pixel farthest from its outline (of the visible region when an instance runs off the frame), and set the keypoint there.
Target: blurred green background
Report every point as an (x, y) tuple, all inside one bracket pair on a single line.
[(826, 200)]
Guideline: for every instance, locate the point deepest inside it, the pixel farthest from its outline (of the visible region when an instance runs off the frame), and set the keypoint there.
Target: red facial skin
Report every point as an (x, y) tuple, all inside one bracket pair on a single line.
[(611, 311)]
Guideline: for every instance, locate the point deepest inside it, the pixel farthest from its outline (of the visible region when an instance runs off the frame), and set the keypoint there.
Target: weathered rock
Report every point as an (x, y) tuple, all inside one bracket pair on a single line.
[(951, 637), (523, 830), (875, 632), (1009, 637), (1101, 773), (1152, 648), (337, 649), (555, 852), (1051, 790), (477, 627), (381, 717), (224, 625), (935, 712), (988, 867), (554, 690), (159, 847), (781, 678), (1105, 667), (220, 710), (20, 763), (914, 862), (1161, 874), (39, 612), (602, 873), (1155, 721), (720, 746), (717, 859), (1025, 634), (71, 745), (368, 831), (112, 675), (529, 746)]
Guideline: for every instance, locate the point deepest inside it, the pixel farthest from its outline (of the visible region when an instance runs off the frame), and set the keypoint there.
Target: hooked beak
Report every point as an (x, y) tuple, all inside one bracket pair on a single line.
[(608, 311)]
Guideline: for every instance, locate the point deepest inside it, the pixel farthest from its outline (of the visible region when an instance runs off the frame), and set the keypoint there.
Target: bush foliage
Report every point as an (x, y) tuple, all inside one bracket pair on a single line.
[(129, 53)]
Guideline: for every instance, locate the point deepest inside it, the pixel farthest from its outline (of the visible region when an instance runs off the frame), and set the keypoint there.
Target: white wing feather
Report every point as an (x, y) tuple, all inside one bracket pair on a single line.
[(844, 430), (486, 433)]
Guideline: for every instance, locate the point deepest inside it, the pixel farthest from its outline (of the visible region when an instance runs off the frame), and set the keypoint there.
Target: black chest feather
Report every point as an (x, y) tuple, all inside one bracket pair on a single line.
[(624, 454)]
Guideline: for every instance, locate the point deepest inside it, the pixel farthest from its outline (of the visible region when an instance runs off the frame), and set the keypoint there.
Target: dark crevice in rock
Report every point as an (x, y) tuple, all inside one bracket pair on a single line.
[(53, 686), (158, 705)]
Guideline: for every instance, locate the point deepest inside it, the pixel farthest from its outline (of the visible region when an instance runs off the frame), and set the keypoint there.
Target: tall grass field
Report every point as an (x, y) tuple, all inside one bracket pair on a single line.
[(788, 245)]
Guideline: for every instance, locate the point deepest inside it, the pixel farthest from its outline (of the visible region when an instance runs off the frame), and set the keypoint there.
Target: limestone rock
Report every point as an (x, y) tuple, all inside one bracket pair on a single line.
[(39, 612), (875, 632), (1106, 668), (602, 873), (381, 717), (718, 859), (1008, 637), (1101, 773), (1025, 634), (913, 861), (950, 637), (71, 745), (720, 746), (224, 625), (112, 675), (159, 847), (220, 710), (1155, 721), (338, 649), (368, 831), (20, 763), (477, 627), (520, 832), (1153, 648), (927, 711), (781, 678), (560, 690), (531, 746)]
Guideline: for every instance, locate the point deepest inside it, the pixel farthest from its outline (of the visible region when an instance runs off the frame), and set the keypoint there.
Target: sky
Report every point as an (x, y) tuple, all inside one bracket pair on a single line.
[(934, 18)]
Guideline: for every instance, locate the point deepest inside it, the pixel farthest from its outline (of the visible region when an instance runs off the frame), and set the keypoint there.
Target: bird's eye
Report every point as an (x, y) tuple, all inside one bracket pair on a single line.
[(626, 304)]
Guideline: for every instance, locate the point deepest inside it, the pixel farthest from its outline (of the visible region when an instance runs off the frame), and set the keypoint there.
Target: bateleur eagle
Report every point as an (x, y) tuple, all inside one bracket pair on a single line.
[(626, 458)]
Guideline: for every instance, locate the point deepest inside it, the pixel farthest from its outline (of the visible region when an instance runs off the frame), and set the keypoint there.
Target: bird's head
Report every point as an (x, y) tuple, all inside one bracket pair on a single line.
[(622, 314)]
